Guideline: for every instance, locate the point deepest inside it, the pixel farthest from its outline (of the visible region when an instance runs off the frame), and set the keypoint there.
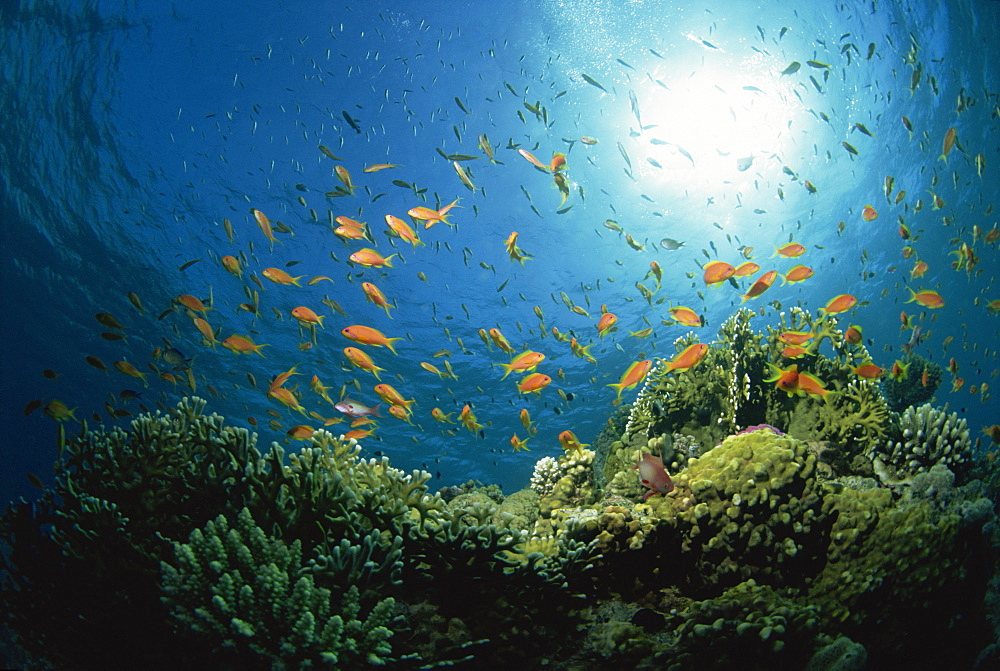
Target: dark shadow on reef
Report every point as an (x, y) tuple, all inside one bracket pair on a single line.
[(803, 527)]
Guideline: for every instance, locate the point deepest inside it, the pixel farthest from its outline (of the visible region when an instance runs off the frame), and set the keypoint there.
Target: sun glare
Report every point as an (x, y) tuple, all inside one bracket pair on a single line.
[(715, 123)]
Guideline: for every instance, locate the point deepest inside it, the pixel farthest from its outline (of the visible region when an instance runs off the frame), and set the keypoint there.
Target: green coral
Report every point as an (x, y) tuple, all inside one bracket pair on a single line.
[(923, 437), (912, 389), (747, 508), (251, 595), (727, 391)]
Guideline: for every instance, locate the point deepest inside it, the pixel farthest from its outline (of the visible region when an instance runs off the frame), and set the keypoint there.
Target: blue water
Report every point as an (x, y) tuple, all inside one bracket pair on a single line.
[(131, 130)]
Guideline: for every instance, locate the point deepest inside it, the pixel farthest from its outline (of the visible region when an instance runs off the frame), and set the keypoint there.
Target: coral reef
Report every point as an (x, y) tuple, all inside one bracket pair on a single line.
[(914, 388), (925, 437), (250, 595), (282, 558), (811, 529)]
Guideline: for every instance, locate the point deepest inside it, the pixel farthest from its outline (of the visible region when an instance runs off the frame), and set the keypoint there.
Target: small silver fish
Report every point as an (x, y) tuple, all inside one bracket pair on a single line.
[(670, 244)]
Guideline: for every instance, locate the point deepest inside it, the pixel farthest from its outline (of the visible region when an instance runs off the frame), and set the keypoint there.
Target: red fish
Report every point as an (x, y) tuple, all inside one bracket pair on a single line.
[(653, 475), (353, 408)]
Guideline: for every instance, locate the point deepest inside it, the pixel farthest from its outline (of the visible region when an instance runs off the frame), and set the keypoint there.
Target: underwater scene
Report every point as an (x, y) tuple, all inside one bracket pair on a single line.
[(566, 334)]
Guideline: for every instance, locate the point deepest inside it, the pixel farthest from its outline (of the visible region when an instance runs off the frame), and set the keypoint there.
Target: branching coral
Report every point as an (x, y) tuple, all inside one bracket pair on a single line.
[(250, 593), (926, 436)]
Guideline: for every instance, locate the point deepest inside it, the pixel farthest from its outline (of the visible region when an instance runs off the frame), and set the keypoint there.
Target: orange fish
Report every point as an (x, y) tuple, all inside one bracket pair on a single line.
[(440, 416), (371, 258), (606, 323), (746, 269), (399, 412), (375, 295), (265, 226), (192, 303), (812, 386), (558, 162), (787, 379), (929, 299), (241, 345), (581, 351), (279, 276), (794, 352), (300, 432), (839, 304), (761, 285), (500, 341), (946, 145), (632, 376), (533, 384), (357, 434), (900, 370), (287, 399), (853, 335), (126, 368), (518, 445), (468, 419), (685, 316), (368, 336), (515, 252), (797, 274), (307, 317), (347, 222), (403, 230), (525, 417), (868, 371), (717, 272), (345, 177), (530, 158), (232, 264), (796, 337), (919, 270), (957, 384), (691, 355), (206, 330), (281, 378), (388, 394), (59, 411), (431, 217), (361, 360), (350, 233), (791, 250), (868, 213), (380, 166), (525, 361), (569, 441)]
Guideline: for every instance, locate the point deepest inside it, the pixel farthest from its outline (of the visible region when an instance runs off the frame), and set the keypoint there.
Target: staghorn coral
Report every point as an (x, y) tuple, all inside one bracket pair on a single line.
[(926, 436), (251, 596)]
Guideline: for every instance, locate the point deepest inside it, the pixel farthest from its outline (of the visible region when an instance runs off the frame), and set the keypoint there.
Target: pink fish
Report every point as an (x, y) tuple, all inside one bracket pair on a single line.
[(652, 474), (352, 408)]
